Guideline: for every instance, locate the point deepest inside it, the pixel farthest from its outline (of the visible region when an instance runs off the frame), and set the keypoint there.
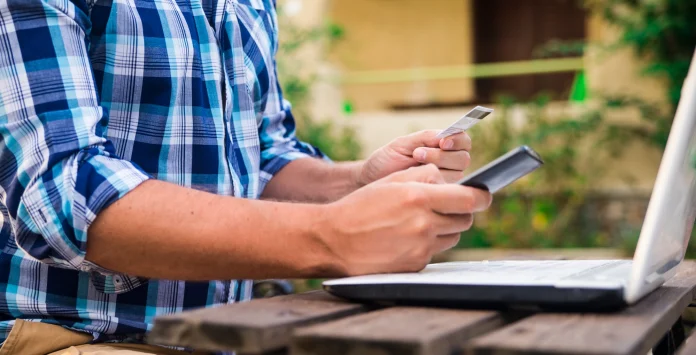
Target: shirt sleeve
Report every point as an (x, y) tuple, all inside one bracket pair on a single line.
[(279, 143), (57, 169)]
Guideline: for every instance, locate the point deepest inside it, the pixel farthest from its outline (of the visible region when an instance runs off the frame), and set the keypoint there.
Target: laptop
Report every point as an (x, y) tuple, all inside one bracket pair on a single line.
[(565, 284)]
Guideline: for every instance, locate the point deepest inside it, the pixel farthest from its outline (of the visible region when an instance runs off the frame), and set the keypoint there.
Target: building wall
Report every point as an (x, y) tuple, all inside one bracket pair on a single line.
[(618, 72), (403, 34)]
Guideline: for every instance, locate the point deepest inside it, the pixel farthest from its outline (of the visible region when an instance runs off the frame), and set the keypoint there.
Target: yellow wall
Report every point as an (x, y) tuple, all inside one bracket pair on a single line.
[(406, 34), (618, 72), (403, 34)]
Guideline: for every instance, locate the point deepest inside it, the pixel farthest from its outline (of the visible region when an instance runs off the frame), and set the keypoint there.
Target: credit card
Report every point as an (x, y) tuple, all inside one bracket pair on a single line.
[(476, 115)]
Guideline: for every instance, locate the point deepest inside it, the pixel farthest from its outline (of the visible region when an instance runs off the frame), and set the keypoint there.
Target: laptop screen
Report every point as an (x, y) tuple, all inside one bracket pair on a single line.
[(672, 208)]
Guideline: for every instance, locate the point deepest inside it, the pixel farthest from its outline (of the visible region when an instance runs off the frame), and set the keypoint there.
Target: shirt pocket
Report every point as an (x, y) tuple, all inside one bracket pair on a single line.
[(115, 283)]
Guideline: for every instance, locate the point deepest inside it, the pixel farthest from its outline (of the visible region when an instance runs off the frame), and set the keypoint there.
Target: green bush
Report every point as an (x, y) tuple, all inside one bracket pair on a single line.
[(546, 209), (661, 32)]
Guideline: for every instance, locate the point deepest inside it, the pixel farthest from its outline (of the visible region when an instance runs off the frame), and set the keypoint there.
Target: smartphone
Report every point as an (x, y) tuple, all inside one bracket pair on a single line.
[(504, 170)]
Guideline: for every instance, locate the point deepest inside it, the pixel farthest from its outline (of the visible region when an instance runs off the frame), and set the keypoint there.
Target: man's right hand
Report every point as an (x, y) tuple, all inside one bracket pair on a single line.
[(398, 223)]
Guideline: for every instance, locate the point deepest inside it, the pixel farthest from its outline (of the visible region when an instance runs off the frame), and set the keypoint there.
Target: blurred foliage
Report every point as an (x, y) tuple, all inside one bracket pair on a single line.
[(630, 241), (662, 33), (550, 208), (544, 209), (338, 141)]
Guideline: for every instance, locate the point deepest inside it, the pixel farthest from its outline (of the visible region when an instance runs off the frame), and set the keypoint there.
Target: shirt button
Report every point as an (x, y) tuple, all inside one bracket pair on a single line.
[(117, 280)]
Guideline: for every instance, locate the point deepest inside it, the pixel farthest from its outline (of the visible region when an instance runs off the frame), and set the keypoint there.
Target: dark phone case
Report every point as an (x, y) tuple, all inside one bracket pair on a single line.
[(504, 170)]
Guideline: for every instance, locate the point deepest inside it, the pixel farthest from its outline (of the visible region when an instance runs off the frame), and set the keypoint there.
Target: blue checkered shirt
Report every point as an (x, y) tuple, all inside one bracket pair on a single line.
[(98, 96)]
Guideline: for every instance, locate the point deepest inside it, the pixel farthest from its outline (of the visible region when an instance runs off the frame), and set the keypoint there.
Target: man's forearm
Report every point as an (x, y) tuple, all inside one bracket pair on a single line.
[(314, 180), (184, 234)]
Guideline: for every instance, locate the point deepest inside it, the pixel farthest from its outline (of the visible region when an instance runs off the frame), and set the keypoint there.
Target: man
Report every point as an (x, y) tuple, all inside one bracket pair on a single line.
[(148, 141)]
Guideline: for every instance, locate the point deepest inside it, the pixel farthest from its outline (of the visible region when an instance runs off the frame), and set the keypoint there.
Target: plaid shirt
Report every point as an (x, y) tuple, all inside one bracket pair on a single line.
[(97, 96)]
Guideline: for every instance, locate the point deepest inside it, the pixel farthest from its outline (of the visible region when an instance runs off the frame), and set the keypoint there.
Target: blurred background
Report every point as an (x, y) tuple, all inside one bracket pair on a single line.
[(591, 85)]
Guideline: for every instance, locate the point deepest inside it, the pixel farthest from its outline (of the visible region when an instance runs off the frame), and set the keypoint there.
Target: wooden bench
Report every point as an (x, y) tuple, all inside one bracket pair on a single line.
[(318, 323)]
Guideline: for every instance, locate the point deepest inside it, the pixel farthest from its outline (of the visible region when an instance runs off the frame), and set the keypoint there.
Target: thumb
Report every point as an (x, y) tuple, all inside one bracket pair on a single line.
[(429, 174)]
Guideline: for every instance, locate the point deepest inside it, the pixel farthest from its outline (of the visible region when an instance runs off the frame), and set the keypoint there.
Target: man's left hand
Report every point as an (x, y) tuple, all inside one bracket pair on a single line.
[(450, 154)]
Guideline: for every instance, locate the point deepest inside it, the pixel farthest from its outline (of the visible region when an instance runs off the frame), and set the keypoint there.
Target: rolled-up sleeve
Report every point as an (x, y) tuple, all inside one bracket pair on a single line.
[(57, 169), (279, 142)]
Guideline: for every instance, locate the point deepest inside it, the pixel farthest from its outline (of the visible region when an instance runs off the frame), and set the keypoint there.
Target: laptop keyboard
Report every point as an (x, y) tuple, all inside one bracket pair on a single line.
[(539, 270), (610, 270)]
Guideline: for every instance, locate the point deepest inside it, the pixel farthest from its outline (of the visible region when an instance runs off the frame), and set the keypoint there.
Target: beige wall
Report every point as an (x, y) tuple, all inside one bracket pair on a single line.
[(404, 34), (618, 72)]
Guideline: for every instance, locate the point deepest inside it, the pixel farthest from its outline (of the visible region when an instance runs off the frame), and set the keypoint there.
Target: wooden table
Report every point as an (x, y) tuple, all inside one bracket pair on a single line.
[(318, 323)]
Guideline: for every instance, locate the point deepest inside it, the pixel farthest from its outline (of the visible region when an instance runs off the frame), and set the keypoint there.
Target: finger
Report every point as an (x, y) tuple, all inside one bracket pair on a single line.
[(456, 199), (445, 224), (445, 242), (429, 174), (452, 160), (406, 144), (459, 141), (451, 176)]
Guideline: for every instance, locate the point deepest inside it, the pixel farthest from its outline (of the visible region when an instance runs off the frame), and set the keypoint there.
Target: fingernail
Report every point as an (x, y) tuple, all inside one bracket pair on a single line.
[(449, 144), (420, 154)]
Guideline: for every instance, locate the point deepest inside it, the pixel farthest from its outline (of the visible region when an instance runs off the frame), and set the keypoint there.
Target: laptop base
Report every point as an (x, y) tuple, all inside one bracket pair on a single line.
[(546, 298)]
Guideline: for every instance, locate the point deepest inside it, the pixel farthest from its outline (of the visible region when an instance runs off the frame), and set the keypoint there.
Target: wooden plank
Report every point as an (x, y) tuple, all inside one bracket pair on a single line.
[(634, 330), (254, 327), (398, 330)]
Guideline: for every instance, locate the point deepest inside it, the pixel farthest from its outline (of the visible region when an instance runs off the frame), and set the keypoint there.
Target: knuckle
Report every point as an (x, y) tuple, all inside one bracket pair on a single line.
[(483, 200), (468, 221), (452, 240), (416, 266), (423, 226), (467, 141), (434, 177), (466, 158), (425, 134), (422, 264), (432, 170), (400, 140), (434, 155), (468, 201), (415, 197), (421, 257), (423, 253)]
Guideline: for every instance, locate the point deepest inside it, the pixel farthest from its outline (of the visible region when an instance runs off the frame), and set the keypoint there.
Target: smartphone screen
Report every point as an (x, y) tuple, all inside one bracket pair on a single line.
[(505, 170)]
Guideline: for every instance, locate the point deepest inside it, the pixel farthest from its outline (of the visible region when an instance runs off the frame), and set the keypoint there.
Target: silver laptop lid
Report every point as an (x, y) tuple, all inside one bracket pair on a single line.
[(672, 208)]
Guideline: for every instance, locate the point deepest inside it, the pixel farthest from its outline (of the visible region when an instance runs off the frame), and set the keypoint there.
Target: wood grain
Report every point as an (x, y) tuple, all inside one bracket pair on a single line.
[(634, 330), (398, 330), (254, 327)]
